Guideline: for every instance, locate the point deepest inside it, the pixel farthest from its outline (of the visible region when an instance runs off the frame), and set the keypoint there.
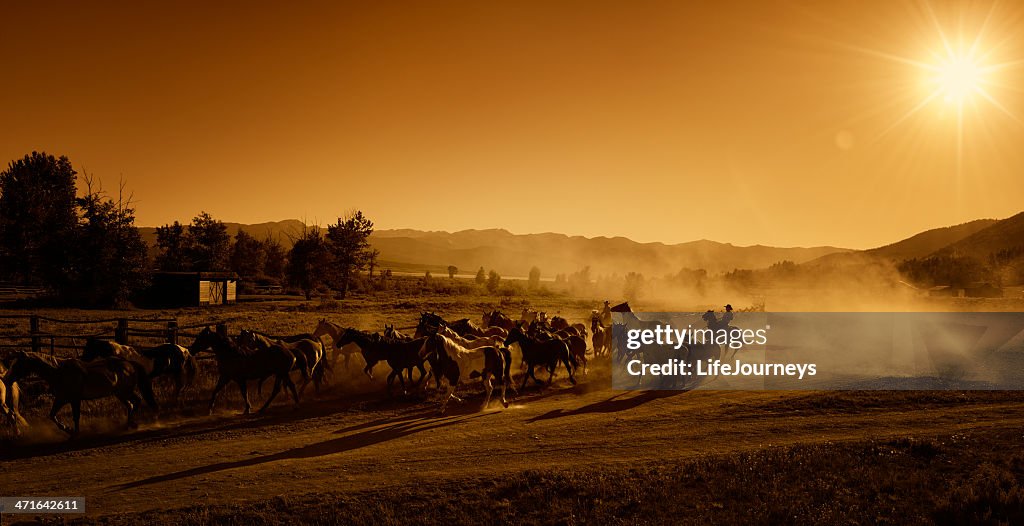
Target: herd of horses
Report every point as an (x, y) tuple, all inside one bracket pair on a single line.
[(454, 352)]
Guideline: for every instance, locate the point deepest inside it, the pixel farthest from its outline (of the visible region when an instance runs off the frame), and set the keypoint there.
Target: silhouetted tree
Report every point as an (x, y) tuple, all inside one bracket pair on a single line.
[(247, 255), (371, 260), (349, 244), (493, 280), (308, 262), (481, 276), (172, 245), (452, 271), (634, 286), (38, 219), (208, 244), (692, 278), (534, 280), (579, 281), (274, 259), (109, 257)]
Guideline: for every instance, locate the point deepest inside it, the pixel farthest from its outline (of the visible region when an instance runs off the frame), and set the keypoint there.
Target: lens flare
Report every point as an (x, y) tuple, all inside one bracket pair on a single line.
[(959, 78)]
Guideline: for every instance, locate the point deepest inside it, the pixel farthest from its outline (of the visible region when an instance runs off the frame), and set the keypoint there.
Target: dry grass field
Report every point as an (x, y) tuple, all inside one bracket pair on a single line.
[(583, 454)]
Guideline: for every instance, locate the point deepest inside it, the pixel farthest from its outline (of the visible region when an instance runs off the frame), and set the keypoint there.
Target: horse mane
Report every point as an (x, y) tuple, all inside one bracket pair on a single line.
[(622, 307), (453, 349)]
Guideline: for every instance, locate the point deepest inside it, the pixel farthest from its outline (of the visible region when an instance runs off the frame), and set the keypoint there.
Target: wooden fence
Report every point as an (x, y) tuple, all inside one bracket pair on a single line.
[(42, 334)]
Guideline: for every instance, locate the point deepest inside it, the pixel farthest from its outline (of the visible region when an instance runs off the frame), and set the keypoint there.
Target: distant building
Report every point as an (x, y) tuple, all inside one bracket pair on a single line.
[(982, 290), (973, 290), (185, 289)]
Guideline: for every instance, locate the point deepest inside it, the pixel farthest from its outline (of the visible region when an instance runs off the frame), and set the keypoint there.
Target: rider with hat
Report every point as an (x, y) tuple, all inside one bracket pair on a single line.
[(727, 316)]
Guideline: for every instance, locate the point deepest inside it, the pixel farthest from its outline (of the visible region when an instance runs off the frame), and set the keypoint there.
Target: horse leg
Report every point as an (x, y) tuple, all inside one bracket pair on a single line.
[(504, 386), (221, 382), (273, 394), (76, 414), (444, 404), (391, 379), (401, 379), (179, 385), (318, 376), (59, 404), (130, 402), (568, 368), (291, 387), (243, 387), (489, 388), (526, 377)]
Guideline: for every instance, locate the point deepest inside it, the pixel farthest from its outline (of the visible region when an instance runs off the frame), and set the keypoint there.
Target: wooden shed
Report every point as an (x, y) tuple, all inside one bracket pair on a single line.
[(183, 289)]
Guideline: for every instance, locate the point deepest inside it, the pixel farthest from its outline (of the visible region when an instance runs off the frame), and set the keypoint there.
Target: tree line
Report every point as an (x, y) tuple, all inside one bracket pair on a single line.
[(86, 250)]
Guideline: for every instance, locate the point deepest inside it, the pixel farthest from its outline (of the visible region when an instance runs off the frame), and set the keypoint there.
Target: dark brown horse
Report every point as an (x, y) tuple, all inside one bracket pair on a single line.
[(558, 323), (400, 355), (240, 365), (71, 380), (496, 318), (308, 352), (172, 361), (546, 353), (577, 344)]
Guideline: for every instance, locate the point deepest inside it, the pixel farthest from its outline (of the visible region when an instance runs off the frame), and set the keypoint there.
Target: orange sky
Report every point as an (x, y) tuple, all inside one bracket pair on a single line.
[(743, 122)]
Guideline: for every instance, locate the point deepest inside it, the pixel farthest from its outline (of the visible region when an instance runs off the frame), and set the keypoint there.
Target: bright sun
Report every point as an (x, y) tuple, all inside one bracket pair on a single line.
[(958, 78)]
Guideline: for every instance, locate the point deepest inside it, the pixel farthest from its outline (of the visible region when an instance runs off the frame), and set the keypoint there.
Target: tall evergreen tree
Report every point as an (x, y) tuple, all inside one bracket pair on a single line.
[(349, 245), (38, 219)]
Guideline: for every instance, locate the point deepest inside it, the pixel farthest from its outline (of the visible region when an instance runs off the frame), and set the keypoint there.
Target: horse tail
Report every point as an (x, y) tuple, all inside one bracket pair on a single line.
[(572, 355)]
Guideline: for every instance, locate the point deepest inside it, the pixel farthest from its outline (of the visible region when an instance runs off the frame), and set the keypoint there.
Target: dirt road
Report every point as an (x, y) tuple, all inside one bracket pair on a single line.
[(339, 446)]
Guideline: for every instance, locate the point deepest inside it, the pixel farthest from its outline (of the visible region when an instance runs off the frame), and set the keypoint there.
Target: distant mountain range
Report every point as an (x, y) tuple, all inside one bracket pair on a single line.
[(979, 239), (514, 254)]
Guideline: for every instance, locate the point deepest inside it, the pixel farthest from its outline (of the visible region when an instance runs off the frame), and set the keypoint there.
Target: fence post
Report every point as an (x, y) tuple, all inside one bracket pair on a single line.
[(121, 332), (172, 332), (33, 329), (222, 329)]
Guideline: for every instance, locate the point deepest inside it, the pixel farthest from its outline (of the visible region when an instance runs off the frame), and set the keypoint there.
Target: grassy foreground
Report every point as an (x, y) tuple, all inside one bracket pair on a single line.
[(976, 478)]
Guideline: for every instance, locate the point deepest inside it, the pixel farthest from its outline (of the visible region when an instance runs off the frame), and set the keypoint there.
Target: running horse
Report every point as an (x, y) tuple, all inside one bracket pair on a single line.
[(602, 336), (239, 365), (173, 361), (631, 321), (496, 318), (71, 381), (307, 350), (400, 355), (547, 353), (329, 328), (10, 396), (453, 361)]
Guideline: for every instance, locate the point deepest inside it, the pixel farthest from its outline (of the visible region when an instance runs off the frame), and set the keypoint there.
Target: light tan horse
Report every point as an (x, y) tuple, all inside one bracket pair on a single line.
[(335, 331), (9, 402), (602, 338), (453, 362)]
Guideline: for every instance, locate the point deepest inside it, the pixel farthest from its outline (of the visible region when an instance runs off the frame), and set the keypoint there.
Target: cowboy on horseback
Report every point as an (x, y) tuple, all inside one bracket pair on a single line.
[(727, 316)]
